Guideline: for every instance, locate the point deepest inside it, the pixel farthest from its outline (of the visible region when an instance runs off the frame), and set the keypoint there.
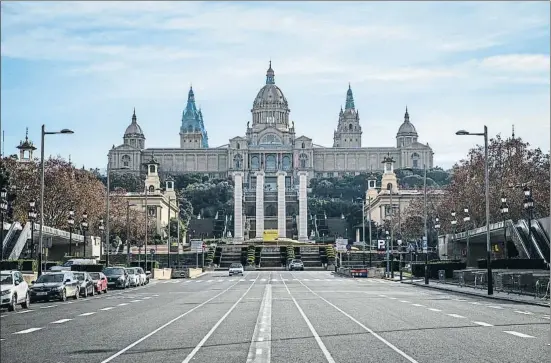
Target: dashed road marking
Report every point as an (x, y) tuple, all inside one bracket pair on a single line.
[(107, 308), (495, 307), (433, 309), (418, 305), (61, 321), (481, 323), (456, 316), (546, 317), (146, 297), (524, 312), (24, 311), (27, 331), (135, 300), (516, 333), (122, 304), (47, 307), (405, 301), (88, 314)]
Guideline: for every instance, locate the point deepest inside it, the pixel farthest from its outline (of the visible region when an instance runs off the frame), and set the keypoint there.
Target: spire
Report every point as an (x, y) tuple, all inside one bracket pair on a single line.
[(191, 95), (349, 99), (270, 75), (406, 116), (513, 131), (134, 116)]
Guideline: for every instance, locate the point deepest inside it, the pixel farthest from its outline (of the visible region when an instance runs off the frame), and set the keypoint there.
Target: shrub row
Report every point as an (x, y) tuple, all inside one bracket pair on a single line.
[(418, 268), (515, 264)]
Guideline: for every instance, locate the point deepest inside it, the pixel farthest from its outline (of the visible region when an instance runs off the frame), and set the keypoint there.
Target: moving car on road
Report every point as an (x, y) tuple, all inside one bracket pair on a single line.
[(15, 290), (296, 265), (116, 277), (236, 269), (86, 284), (100, 282), (55, 285)]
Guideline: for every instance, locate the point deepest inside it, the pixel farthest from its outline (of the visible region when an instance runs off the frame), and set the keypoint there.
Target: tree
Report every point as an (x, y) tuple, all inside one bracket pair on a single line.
[(511, 163), (129, 182), (126, 222), (207, 198)]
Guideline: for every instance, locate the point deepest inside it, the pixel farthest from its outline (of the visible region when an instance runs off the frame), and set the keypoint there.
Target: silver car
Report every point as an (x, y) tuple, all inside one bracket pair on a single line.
[(133, 277)]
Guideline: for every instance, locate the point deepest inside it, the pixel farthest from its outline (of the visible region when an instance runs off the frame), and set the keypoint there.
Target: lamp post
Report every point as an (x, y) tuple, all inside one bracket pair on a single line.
[(71, 223), (363, 228), (128, 205), (467, 219), (107, 205), (84, 228), (101, 229), (529, 208), (32, 218), (40, 234), (437, 228), (504, 209), (454, 226), (3, 211), (387, 237), (487, 200)]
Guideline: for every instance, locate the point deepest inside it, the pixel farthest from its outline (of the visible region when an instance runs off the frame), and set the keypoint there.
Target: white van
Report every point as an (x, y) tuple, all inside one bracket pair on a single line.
[(74, 261)]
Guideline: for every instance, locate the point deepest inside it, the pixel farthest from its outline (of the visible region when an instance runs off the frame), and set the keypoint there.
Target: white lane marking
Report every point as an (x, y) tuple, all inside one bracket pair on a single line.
[(456, 316), (433, 309), (61, 321), (545, 317), (24, 311), (88, 314), (274, 279), (210, 280), (260, 350), (459, 300), (382, 295), (135, 300), (418, 305), (27, 331), (475, 303), (2, 339), (109, 359), (495, 307), (322, 346), (47, 307), (146, 297), (232, 280), (213, 329), (481, 323), (251, 280), (405, 301), (2, 316), (380, 338), (305, 279), (516, 333), (108, 308), (122, 304), (262, 280), (393, 298), (523, 312), (241, 279)]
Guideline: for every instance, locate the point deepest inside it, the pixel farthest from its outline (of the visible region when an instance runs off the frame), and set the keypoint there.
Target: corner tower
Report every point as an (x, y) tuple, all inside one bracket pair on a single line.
[(349, 131), (192, 131)]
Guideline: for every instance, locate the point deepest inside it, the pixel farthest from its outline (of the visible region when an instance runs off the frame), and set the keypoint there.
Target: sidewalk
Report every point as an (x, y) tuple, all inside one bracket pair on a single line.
[(498, 295)]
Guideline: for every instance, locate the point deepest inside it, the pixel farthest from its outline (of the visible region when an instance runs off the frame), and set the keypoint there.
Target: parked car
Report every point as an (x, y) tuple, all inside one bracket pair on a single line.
[(116, 277), (296, 265), (133, 277), (236, 269), (86, 283), (100, 281), (143, 276), (15, 290), (55, 285)]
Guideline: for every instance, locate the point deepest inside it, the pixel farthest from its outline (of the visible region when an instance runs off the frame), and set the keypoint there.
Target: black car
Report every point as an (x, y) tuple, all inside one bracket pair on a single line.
[(86, 283), (116, 277), (56, 285)]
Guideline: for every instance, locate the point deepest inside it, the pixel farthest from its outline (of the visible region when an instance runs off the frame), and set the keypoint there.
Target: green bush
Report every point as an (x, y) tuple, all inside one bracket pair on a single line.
[(20, 265)]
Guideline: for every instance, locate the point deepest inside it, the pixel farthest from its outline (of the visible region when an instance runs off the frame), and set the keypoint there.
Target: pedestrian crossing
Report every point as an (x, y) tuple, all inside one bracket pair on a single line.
[(372, 281)]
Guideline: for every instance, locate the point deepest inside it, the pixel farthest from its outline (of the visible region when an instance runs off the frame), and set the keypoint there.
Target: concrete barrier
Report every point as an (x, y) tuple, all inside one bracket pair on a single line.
[(194, 272), (162, 273)]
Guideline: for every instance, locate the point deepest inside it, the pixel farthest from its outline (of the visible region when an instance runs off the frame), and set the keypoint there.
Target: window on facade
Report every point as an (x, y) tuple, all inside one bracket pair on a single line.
[(350, 127), (238, 146), (271, 162), (152, 169), (126, 161), (255, 162), (151, 188), (303, 145), (238, 161), (415, 160), (303, 159), (286, 163), (270, 139)]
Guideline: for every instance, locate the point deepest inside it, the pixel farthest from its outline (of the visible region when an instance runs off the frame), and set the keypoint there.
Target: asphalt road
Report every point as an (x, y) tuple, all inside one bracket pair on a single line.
[(279, 317)]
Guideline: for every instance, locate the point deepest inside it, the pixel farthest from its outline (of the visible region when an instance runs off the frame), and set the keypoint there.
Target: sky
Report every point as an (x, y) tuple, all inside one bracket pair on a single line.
[(455, 65)]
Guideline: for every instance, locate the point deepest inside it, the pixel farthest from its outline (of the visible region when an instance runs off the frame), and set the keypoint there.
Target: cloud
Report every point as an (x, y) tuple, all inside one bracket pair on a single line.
[(435, 57)]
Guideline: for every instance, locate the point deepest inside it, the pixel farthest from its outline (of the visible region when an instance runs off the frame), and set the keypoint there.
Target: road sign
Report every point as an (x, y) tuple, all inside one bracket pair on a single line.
[(381, 244), (411, 247), (341, 248), (196, 245), (399, 242), (342, 241)]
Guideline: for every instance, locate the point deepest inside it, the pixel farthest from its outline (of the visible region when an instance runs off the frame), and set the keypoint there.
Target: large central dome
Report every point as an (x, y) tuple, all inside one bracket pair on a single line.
[(270, 105)]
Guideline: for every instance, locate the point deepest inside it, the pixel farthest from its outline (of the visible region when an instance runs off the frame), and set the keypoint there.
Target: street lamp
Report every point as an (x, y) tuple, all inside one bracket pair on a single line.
[(529, 208), (454, 226), (437, 228), (42, 136), (71, 223), (101, 228), (32, 217), (466, 219), (504, 209), (359, 199), (487, 201), (3, 211), (84, 228)]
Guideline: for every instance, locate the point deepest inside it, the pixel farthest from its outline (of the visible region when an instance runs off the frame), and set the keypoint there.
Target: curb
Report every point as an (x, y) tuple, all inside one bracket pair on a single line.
[(534, 303)]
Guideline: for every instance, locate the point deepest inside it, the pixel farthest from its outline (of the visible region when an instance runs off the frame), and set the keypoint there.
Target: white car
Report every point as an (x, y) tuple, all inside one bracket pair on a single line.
[(143, 276), (236, 269), (133, 278), (15, 290)]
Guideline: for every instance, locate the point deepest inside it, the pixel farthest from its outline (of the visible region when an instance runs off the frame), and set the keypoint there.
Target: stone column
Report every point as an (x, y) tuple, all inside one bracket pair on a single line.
[(238, 206), (259, 204), (302, 206), (281, 213)]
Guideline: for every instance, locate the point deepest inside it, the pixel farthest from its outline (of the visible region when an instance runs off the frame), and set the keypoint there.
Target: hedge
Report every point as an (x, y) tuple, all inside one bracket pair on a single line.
[(150, 265), (515, 264), (418, 268), (88, 268), (19, 265)]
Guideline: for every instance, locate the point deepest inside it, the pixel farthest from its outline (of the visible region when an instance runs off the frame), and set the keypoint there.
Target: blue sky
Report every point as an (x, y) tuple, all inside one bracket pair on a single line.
[(86, 65)]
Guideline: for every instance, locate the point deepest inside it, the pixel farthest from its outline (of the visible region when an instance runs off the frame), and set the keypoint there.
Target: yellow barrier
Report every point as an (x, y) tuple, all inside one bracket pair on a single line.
[(270, 235)]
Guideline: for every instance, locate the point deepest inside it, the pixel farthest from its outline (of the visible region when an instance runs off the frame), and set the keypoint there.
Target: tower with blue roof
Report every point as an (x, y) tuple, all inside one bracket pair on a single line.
[(193, 134)]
